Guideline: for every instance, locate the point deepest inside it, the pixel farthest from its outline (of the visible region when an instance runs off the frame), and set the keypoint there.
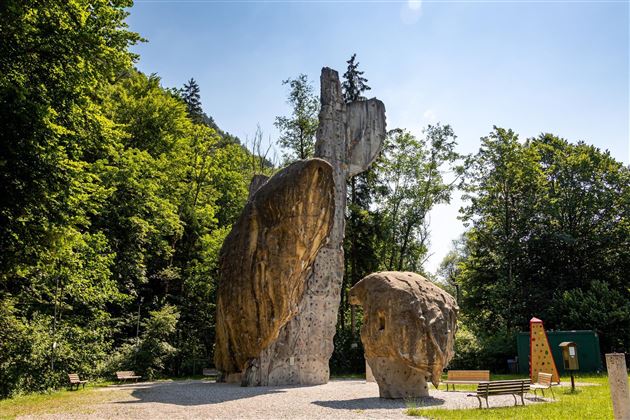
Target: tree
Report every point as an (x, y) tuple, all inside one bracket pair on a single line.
[(450, 268), (361, 228), (58, 60), (354, 83), (297, 132), (192, 97), (548, 229), (115, 202), (421, 173)]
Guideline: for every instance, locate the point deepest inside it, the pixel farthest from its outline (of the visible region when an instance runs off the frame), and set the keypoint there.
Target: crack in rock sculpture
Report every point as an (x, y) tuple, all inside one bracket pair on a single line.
[(264, 262), (349, 136), (408, 331)]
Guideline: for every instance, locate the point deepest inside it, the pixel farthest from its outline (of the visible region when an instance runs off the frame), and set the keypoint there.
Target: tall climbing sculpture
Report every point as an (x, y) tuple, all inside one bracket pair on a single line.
[(349, 138)]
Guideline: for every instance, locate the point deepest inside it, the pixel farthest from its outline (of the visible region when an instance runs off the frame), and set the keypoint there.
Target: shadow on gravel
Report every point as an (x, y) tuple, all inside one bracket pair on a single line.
[(188, 393), (378, 403)]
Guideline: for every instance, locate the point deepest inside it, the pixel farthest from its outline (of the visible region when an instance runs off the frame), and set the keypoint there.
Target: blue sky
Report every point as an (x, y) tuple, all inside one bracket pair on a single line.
[(533, 66)]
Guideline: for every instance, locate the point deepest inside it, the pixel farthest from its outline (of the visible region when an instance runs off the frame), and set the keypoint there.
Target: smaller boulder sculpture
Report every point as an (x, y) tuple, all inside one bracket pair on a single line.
[(408, 331)]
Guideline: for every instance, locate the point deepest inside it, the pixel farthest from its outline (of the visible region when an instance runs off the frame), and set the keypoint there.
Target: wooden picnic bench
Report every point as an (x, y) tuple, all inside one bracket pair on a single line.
[(544, 382), (456, 377), (512, 387), (74, 380), (127, 374)]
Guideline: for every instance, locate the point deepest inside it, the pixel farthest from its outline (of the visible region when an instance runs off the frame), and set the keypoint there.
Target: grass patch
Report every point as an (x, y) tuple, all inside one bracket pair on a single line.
[(55, 402), (348, 376), (588, 402)]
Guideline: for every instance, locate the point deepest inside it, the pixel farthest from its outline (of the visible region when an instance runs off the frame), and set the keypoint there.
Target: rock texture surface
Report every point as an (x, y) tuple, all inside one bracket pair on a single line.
[(349, 137), (265, 261), (408, 331)]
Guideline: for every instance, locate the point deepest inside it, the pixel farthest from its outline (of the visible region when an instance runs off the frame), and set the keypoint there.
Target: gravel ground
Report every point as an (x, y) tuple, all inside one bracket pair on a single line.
[(339, 399)]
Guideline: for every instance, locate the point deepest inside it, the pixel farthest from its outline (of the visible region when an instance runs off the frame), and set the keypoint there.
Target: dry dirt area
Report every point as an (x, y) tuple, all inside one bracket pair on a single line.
[(194, 399)]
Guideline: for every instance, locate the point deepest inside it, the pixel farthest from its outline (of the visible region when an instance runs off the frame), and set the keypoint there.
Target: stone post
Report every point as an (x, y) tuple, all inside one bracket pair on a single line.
[(349, 137), (618, 380)]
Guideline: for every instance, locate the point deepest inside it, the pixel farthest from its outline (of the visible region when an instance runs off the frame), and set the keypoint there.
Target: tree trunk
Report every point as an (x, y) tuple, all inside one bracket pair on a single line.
[(353, 248)]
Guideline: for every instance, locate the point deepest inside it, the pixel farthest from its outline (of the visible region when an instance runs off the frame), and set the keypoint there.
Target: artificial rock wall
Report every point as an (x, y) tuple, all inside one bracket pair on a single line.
[(408, 331), (349, 138)]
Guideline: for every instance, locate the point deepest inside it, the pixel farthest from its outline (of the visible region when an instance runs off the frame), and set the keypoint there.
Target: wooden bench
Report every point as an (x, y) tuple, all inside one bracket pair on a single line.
[(466, 377), (74, 380), (210, 372), (127, 374), (544, 382), (512, 387)]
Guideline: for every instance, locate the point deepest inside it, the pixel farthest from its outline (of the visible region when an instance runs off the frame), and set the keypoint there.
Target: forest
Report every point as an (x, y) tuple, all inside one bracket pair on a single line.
[(117, 193)]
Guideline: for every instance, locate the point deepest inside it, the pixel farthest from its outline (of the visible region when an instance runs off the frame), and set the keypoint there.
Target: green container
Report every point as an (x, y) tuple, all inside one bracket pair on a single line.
[(589, 356)]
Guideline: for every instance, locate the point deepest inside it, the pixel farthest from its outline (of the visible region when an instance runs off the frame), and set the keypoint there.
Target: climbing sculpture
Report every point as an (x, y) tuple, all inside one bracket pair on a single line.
[(349, 138), (264, 259), (541, 357), (408, 331)]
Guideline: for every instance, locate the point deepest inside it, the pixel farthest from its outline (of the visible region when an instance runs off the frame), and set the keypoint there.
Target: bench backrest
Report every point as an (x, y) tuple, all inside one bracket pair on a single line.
[(74, 378), (512, 386), (210, 372), (125, 374), (468, 375), (544, 378)]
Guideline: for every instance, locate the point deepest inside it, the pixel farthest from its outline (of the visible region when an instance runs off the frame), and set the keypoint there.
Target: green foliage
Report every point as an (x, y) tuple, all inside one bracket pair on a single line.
[(415, 172), (549, 237), (600, 308), (155, 349), (151, 354), (347, 355), (297, 132), (115, 200)]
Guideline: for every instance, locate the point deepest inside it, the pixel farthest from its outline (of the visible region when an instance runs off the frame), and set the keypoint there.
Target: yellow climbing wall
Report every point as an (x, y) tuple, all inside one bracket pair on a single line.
[(541, 359)]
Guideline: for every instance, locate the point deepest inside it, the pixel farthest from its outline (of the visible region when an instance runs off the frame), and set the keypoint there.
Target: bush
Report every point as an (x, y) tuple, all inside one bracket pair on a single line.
[(348, 355), (149, 357), (483, 351)]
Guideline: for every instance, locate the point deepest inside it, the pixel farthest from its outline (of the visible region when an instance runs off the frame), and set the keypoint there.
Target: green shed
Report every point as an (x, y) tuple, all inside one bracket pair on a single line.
[(589, 356)]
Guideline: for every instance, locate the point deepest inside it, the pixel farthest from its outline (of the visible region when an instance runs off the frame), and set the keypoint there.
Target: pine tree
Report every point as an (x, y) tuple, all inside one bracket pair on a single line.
[(360, 219), (190, 94), (354, 84)]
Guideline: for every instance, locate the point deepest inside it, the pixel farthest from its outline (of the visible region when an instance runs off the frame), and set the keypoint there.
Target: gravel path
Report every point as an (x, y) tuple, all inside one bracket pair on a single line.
[(339, 399)]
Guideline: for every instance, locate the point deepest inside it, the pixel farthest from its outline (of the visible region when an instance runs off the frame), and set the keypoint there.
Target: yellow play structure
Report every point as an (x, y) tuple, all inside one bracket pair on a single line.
[(541, 359)]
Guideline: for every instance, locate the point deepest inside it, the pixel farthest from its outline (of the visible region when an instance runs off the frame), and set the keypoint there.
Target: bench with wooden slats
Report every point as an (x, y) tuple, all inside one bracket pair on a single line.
[(544, 382), (512, 387), (74, 380), (466, 377), (210, 372), (127, 374)]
